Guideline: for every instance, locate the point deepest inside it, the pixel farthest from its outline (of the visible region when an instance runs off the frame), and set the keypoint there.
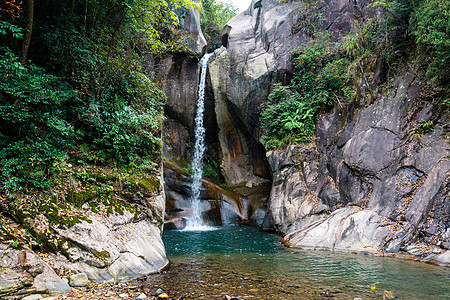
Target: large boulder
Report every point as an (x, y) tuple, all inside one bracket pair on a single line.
[(108, 226), (24, 273), (349, 229), (112, 247), (294, 180)]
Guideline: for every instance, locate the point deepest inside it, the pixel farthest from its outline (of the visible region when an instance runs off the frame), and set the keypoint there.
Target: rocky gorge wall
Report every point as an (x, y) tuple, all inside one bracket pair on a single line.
[(367, 185), (370, 182)]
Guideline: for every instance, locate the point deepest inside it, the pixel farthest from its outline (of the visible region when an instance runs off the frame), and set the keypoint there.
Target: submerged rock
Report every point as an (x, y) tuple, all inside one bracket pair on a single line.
[(175, 223), (141, 297)]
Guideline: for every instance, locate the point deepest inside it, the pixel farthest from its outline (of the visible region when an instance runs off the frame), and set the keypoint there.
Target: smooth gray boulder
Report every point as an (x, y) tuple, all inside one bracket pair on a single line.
[(349, 229), (113, 247)]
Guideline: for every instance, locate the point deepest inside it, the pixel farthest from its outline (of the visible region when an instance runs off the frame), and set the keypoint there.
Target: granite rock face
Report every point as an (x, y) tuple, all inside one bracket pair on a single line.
[(256, 53), (190, 22)]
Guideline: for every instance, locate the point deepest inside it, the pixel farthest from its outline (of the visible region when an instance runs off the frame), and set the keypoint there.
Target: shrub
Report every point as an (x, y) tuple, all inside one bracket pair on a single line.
[(320, 79), (430, 23)]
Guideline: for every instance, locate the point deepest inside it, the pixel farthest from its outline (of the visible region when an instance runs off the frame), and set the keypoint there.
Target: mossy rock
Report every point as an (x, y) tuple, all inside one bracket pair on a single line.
[(116, 206), (78, 198), (101, 255), (150, 184), (104, 177)]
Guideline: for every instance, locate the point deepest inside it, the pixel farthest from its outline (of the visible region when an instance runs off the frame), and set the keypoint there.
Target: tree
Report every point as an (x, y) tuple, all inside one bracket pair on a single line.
[(84, 85), (28, 31), (214, 15)]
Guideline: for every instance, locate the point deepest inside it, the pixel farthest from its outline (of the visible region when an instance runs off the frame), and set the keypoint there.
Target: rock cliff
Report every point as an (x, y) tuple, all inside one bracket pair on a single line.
[(371, 181)]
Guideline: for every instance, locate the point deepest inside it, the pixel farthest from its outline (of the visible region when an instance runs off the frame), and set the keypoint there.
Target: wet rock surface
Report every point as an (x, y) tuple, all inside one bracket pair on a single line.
[(219, 206)]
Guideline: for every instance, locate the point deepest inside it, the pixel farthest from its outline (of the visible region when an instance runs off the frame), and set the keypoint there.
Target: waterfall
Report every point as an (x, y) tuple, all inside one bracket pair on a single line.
[(195, 220)]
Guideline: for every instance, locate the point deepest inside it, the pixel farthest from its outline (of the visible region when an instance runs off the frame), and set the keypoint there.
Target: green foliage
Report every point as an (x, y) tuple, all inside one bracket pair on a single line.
[(419, 28), (320, 79), (8, 28), (423, 127), (214, 15), (386, 37), (423, 24), (430, 24), (90, 88), (211, 171), (33, 124)]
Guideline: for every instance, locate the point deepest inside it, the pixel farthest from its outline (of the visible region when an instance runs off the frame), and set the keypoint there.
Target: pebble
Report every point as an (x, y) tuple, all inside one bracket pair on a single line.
[(142, 296), (163, 296), (123, 296), (78, 280), (159, 292)]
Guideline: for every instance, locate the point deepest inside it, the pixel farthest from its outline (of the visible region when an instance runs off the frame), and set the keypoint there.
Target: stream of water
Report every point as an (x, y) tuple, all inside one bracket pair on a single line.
[(244, 263), (194, 221)]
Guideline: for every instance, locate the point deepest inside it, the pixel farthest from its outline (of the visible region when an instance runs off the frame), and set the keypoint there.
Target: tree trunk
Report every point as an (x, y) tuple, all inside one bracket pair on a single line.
[(29, 29)]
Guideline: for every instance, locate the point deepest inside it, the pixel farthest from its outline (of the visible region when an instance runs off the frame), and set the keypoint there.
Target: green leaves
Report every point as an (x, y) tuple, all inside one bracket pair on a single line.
[(213, 16), (6, 28), (431, 29), (320, 79)]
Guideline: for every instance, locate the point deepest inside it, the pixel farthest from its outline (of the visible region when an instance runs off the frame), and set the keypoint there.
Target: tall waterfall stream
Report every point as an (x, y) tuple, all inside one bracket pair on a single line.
[(194, 222)]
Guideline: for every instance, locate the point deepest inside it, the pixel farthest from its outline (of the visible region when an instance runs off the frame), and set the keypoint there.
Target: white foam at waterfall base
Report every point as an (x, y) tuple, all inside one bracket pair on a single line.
[(195, 220), (199, 228)]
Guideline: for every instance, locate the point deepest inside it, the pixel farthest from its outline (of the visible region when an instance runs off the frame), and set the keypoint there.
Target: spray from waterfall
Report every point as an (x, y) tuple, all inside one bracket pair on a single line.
[(195, 220)]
